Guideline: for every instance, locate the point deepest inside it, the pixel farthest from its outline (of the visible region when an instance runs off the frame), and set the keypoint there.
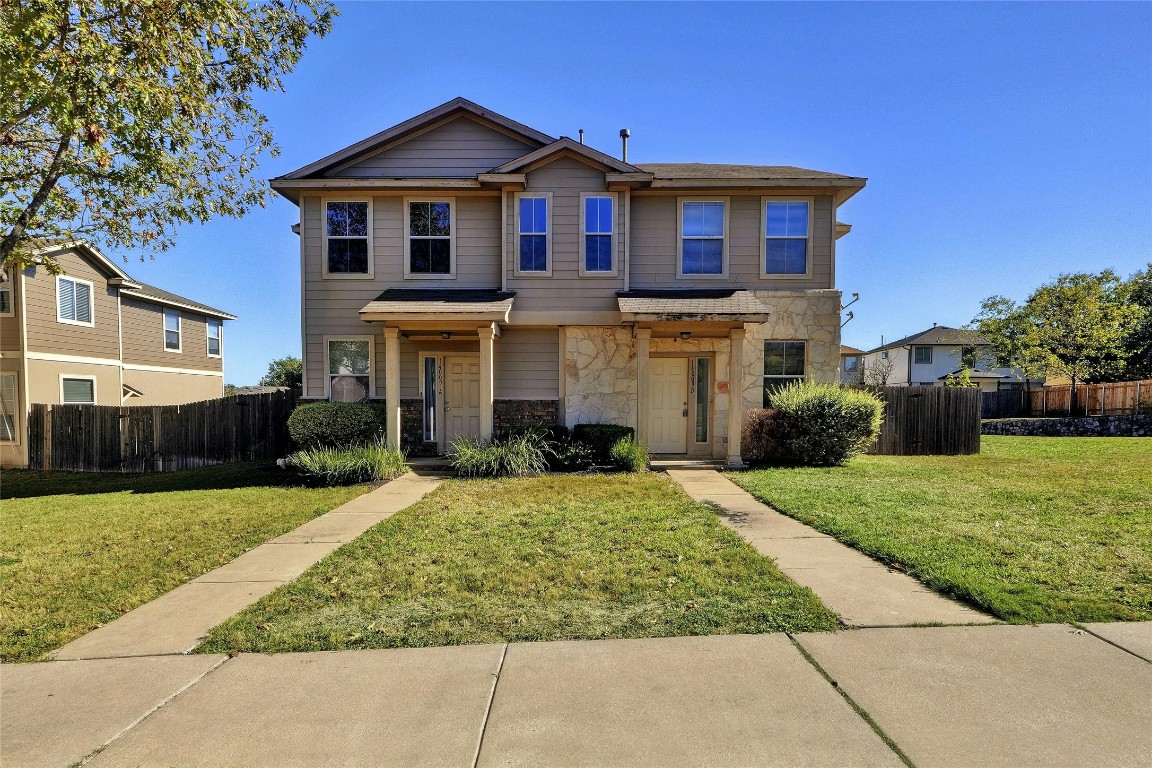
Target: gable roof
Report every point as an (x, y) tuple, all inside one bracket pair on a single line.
[(94, 255), (457, 106), (937, 335), (847, 350), (565, 144)]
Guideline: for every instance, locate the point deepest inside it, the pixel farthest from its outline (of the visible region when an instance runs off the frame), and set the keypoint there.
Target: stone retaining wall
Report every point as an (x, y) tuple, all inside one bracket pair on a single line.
[(1139, 425)]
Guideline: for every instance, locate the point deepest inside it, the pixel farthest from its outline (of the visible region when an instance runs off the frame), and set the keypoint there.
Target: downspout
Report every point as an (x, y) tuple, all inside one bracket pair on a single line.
[(503, 240), (627, 235)]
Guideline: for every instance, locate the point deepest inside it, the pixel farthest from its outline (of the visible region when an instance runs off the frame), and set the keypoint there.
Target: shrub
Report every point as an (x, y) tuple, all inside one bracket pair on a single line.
[(820, 424), (519, 456), (629, 455), (572, 456), (758, 443), (600, 438), (553, 435), (367, 463), (338, 425)]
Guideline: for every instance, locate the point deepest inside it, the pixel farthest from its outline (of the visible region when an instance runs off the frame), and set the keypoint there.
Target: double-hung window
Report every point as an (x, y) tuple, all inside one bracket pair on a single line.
[(8, 407), (429, 244), (6, 293), (73, 300), (786, 236), (598, 229), (783, 364), (923, 355), (215, 334), (172, 341), (346, 238), (702, 228), (349, 370), (78, 389), (532, 215)]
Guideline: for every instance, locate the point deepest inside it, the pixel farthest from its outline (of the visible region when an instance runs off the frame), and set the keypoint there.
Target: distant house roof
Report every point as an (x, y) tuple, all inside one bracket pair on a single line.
[(437, 301), (937, 335), (693, 304), (159, 296), (975, 375), (847, 350)]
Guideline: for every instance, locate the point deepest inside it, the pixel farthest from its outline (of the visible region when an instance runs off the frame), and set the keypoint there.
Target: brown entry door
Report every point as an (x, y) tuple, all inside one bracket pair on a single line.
[(668, 409), (461, 397)]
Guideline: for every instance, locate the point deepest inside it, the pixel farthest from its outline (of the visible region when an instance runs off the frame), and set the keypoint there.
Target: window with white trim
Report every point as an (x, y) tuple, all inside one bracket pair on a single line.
[(783, 364), (78, 389), (172, 342), (923, 355), (73, 300), (702, 224), (6, 293), (346, 237), (786, 229), (533, 230), (8, 410), (430, 233), (598, 229), (215, 337), (349, 370)]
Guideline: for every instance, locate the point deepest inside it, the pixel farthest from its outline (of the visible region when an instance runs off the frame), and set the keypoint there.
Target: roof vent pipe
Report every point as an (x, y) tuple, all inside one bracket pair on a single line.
[(581, 135), (624, 134)]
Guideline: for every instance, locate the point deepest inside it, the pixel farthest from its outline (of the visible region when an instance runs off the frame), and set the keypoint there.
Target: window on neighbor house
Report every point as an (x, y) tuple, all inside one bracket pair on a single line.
[(923, 355), (6, 292), (702, 237), (215, 332), (171, 330), (429, 237), (884, 355), (78, 390), (533, 229), (73, 300), (346, 238), (786, 237), (851, 363), (783, 364), (349, 370), (8, 407), (598, 234)]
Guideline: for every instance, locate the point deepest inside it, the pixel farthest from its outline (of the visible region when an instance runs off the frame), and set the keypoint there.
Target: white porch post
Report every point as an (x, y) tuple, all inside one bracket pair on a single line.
[(735, 395), (487, 349), (643, 344), (392, 385)]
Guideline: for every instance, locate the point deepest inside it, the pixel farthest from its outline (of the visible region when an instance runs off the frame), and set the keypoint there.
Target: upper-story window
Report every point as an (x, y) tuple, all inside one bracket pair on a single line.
[(6, 292), (532, 218), (923, 355), (73, 300), (786, 236), (346, 238), (215, 336), (171, 330), (598, 228), (703, 226), (429, 246)]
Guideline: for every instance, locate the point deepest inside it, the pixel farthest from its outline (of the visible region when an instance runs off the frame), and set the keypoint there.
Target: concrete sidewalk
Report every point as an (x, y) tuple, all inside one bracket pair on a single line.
[(863, 592), (176, 622), (999, 695)]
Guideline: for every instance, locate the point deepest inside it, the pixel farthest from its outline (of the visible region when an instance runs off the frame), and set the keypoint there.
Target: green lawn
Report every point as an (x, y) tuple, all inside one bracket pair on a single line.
[(548, 558), (1032, 529), (79, 549)]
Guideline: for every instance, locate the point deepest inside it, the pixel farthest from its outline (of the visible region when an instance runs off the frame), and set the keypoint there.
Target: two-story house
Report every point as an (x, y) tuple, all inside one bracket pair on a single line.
[(95, 335), (475, 273)]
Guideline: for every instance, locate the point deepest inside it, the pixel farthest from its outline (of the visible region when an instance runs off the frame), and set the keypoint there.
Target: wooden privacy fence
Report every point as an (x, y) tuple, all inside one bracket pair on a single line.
[(160, 438), (1112, 399), (921, 421)]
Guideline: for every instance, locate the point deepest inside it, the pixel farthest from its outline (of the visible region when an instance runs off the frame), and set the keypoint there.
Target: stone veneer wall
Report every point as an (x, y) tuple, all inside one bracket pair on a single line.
[(412, 429), (524, 413), (599, 375), (1137, 425)]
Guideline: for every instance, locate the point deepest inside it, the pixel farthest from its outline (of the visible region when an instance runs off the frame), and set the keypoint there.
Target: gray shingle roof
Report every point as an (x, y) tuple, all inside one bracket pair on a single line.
[(691, 304), (407, 301), (161, 296), (730, 171), (940, 334)]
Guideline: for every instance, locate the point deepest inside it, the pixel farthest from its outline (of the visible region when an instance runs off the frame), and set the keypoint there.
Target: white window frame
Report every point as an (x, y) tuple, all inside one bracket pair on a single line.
[(325, 274), (371, 363), (91, 302), (6, 287), (78, 376), (615, 234), (807, 273), (406, 223), (915, 351), (726, 242), (784, 377), (209, 324), (179, 330), (437, 427), (547, 235), (15, 407)]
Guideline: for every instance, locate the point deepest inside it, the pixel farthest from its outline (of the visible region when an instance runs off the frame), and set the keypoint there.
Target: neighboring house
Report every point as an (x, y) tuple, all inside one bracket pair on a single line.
[(850, 364), (95, 335), (927, 359), (475, 273)]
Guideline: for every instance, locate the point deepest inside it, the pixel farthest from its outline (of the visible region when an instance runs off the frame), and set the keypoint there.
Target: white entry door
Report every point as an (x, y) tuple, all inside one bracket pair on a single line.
[(668, 405), (461, 397)]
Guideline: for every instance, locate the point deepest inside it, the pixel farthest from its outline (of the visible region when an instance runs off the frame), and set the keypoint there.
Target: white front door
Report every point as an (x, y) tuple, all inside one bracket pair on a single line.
[(461, 397), (668, 409)]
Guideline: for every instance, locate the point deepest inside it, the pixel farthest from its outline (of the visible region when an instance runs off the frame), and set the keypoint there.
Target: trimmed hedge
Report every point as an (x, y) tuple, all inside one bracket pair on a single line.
[(336, 425), (600, 438), (813, 425)]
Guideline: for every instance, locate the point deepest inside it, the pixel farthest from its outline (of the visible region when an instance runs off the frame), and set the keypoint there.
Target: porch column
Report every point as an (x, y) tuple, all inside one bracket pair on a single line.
[(735, 395), (392, 385), (643, 344), (487, 336)]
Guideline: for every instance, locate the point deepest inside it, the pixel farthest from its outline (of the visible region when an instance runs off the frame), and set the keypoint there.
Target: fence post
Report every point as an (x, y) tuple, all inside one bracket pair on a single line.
[(157, 436), (47, 437)]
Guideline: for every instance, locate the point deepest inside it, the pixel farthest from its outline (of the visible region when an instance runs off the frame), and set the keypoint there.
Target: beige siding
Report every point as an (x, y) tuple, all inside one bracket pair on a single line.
[(459, 148), (47, 334), (10, 337), (654, 245), (527, 364), (144, 338), (565, 290), (165, 388)]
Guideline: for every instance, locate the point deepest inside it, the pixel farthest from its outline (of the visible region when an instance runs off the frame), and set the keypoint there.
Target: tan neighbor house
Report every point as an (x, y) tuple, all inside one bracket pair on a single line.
[(474, 274), (95, 335)]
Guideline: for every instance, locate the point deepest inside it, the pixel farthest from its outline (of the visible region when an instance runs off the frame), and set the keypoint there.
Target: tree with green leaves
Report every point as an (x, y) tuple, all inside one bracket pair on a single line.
[(1138, 291), (285, 372), (123, 119), (1011, 337)]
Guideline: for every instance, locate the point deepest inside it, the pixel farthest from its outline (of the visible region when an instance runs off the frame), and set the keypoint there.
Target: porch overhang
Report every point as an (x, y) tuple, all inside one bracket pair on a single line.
[(725, 306), (434, 307)]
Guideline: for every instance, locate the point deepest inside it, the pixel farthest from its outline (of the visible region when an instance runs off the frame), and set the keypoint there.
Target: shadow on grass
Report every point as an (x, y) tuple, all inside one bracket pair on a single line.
[(29, 483)]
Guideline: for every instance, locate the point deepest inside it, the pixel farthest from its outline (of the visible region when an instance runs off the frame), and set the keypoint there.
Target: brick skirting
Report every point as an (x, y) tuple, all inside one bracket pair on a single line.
[(524, 413), (412, 429)]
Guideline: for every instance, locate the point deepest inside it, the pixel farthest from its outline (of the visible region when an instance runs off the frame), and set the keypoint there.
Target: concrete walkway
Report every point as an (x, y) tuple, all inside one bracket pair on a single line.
[(992, 696), (178, 621), (862, 591)]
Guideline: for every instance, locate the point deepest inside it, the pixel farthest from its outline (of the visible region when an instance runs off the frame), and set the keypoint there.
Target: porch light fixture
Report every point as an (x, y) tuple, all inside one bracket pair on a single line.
[(685, 335), (446, 335)]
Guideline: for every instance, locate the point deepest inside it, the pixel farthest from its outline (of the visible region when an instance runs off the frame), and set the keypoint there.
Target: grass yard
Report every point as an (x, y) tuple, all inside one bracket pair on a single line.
[(1032, 529), (79, 549), (547, 558)]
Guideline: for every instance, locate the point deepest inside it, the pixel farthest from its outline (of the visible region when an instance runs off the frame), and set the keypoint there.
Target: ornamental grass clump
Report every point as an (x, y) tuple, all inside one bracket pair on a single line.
[(520, 455), (629, 455), (815, 425), (370, 462)]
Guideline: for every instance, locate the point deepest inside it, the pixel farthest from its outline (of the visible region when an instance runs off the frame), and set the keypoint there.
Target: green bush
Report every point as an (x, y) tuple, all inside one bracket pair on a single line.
[(336, 425), (519, 456), (629, 455), (367, 463), (553, 435), (600, 438), (821, 424), (572, 456), (758, 441)]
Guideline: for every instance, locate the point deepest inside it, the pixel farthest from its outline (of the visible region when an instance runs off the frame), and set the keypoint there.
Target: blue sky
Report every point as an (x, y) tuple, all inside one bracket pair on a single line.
[(1004, 143)]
